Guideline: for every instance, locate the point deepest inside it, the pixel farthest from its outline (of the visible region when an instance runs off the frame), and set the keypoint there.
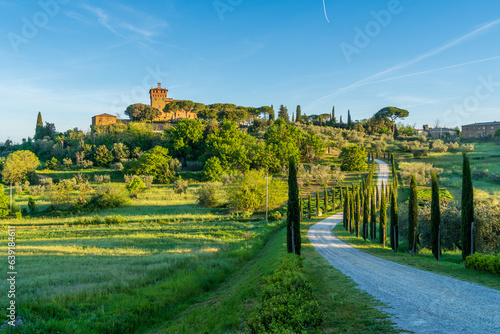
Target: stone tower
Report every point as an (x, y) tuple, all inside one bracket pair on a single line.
[(158, 97)]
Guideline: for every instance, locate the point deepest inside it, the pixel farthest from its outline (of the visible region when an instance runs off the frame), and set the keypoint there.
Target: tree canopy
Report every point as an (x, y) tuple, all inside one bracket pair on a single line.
[(18, 164), (391, 113), (142, 112)]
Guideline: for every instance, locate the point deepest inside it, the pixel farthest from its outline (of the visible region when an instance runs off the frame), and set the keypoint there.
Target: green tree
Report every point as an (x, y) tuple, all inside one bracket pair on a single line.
[(373, 218), (52, 164), (352, 201), (154, 162), (325, 198), (39, 127), (212, 170), (180, 186), (17, 165), (185, 139), (413, 216), (103, 156), (366, 213), (334, 206), (347, 211), (394, 220), (391, 113), (135, 186), (142, 112), (334, 119), (298, 117), (435, 218), (283, 114), (4, 203), (383, 218), (357, 213), (31, 205), (467, 208), (317, 203), (248, 192), (349, 120), (309, 206), (119, 151), (352, 158), (293, 211)]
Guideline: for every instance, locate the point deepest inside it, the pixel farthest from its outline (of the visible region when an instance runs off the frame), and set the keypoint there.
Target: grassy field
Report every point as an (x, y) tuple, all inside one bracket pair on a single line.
[(345, 308), (485, 159), (121, 278)]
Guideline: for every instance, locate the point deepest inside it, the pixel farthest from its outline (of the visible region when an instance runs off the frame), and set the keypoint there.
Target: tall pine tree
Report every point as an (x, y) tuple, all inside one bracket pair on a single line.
[(39, 127), (293, 211), (334, 119), (413, 216), (383, 218), (298, 114), (349, 120), (435, 218), (467, 208)]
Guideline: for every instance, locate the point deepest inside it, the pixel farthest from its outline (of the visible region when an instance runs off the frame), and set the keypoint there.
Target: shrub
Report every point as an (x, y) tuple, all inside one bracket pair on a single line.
[(67, 162), (286, 303), (47, 182), (438, 146), (32, 205), (483, 262), (98, 178), (154, 162), (353, 158), (212, 171), (420, 152), (321, 173), (480, 174), (116, 166), (193, 166), (467, 148), (110, 196), (135, 186), (52, 163), (487, 218), (87, 163), (175, 165), (275, 216), (35, 190), (453, 147), (208, 195), (110, 220), (180, 186)]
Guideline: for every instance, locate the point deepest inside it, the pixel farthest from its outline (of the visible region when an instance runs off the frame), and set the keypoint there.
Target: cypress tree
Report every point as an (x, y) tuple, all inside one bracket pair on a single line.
[(349, 121), (283, 114), (383, 219), (39, 121), (413, 216), (333, 200), (377, 198), (357, 213), (365, 215), (394, 172), (39, 127), (394, 221), (341, 120), (467, 208), (317, 203), (435, 218), (347, 211), (293, 211), (373, 219), (326, 201), (298, 116), (293, 120), (334, 120), (352, 201), (301, 209), (341, 196), (309, 207), (271, 113)]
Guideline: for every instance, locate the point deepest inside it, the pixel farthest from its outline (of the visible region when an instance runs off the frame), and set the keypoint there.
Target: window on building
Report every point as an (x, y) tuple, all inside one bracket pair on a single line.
[(155, 98)]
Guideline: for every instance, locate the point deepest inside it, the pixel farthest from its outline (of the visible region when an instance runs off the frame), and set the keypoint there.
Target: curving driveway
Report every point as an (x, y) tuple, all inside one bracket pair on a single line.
[(419, 301)]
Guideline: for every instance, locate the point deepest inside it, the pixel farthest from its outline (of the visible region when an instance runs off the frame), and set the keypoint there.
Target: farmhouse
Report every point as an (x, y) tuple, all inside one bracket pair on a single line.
[(479, 130), (103, 119), (442, 133)]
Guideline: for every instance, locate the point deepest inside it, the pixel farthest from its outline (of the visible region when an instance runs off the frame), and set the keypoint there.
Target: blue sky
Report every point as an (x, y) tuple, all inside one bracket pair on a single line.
[(75, 59)]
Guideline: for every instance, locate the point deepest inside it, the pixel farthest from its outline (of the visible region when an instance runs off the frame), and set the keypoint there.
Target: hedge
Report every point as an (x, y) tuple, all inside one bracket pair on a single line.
[(286, 303), (484, 262)]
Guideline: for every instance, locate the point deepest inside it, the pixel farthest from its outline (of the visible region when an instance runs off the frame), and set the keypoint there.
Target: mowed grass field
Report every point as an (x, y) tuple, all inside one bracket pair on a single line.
[(126, 277)]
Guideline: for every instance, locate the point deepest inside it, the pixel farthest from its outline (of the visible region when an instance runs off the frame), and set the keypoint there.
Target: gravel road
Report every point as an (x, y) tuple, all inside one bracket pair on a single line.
[(419, 301)]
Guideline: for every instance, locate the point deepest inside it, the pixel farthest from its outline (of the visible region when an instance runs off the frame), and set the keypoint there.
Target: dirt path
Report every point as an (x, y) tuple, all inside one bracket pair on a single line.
[(420, 301)]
